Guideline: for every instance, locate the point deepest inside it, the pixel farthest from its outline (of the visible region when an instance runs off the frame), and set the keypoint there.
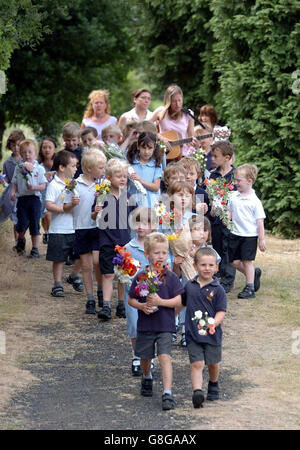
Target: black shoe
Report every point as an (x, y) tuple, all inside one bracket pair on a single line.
[(120, 311), (136, 367), (227, 287), (167, 402), (183, 340), (146, 387), (174, 337), (34, 254), (20, 246), (247, 292), (76, 283), (198, 398), (212, 392), (45, 238), (90, 307), (105, 313), (100, 298), (257, 275)]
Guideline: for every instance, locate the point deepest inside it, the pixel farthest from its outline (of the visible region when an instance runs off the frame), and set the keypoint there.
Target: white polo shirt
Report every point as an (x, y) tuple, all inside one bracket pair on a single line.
[(61, 223), (82, 213), (246, 210)]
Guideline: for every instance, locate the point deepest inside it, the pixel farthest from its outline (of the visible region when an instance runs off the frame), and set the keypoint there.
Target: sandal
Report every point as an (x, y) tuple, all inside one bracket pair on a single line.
[(76, 283), (57, 291)]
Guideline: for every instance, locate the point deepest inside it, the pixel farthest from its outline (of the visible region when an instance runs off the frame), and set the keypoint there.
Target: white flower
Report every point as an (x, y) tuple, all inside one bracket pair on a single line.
[(160, 209), (202, 323), (202, 332), (198, 314), (210, 321)]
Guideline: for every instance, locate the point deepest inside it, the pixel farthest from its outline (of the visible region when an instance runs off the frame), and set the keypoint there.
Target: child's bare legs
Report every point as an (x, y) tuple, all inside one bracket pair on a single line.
[(35, 241), (46, 221), (107, 286), (196, 375), (167, 371), (57, 269), (146, 367), (97, 271), (87, 272), (247, 268), (214, 370)]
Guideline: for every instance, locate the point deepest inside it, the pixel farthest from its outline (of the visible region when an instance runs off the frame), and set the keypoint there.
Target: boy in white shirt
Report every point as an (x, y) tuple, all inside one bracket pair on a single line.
[(247, 214), (61, 231), (86, 243)]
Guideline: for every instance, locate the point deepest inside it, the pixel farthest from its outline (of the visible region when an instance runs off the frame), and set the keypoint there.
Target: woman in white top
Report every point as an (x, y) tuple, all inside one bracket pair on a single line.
[(141, 99), (97, 112)]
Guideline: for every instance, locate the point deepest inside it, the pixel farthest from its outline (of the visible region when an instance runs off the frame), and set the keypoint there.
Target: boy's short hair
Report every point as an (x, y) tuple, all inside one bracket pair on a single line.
[(62, 158), (112, 128), (27, 142), (172, 168), (15, 136), (226, 148), (154, 238), (188, 161), (144, 215), (115, 165), (146, 126), (250, 171), (71, 129), (91, 157), (205, 251), (87, 130)]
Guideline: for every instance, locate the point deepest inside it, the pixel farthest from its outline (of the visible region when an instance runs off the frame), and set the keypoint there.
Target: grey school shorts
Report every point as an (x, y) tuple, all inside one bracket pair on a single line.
[(210, 354), (145, 344)]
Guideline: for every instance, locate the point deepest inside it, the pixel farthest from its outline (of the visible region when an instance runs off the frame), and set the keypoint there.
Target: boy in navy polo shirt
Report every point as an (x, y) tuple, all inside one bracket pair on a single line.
[(155, 327), (114, 230), (71, 136), (204, 294)]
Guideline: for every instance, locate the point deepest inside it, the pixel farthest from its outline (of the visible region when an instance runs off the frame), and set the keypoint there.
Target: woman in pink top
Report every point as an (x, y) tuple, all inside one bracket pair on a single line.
[(170, 117), (97, 112)]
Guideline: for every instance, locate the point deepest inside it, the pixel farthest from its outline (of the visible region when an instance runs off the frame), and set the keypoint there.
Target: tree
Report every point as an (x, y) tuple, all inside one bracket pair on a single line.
[(87, 49)]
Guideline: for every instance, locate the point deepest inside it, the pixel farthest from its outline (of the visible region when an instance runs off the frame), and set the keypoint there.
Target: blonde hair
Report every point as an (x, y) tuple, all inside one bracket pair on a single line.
[(28, 142), (103, 93), (171, 169), (91, 157), (144, 215), (249, 170), (188, 161), (170, 92), (71, 129), (112, 128), (154, 238), (115, 165)]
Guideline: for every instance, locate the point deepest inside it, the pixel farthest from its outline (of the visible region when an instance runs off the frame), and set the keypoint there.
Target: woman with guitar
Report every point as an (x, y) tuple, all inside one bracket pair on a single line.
[(175, 127)]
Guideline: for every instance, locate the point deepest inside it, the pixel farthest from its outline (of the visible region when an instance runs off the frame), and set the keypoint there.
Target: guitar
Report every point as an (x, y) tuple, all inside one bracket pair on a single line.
[(176, 143)]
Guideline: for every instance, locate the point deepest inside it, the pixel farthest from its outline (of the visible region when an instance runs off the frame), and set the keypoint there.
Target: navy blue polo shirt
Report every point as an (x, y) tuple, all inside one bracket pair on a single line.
[(211, 298), (162, 320), (114, 226)]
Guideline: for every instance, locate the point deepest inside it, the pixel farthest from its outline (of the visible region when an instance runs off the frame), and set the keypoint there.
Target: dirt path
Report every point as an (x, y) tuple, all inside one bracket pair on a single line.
[(64, 370)]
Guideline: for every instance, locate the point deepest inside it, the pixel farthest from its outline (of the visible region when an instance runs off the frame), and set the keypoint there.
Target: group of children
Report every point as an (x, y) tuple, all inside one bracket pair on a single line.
[(78, 227)]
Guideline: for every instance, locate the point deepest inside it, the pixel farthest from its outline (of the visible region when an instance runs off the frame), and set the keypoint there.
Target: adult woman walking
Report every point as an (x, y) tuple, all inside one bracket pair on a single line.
[(97, 113), (141, 99), (170, 117)]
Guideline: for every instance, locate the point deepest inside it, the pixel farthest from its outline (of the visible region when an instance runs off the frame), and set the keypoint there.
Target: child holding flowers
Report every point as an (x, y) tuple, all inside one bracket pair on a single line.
[(86, 243), (205, 302), (157, 286)]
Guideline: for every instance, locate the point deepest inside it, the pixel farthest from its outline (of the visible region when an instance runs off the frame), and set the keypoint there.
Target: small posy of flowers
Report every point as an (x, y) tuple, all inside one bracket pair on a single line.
[(163, 146), (125, 267), (70, 187), (25, 169), (205, 323), (218, 192), (199, 155), (101, 190), (150, 281), (170, 220)]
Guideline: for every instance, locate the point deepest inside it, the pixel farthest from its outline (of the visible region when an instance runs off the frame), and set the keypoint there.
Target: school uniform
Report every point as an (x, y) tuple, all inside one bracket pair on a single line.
[(148, 172)]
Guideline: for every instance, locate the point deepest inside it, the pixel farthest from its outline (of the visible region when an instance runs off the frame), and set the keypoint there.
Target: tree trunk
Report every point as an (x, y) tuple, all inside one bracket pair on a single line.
[(2, 129)]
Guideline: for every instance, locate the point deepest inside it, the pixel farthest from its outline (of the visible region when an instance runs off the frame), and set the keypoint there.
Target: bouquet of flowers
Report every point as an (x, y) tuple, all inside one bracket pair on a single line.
[(170, 220), (101, 190), (125, 267), (163, 147), (112, 150), (218, 192), (25, 169), (205, 323), (150, 280), (199, 155), (70, 187)]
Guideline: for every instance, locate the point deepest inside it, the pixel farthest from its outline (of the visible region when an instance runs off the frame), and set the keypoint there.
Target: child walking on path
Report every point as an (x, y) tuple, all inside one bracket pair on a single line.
[(145, 157), (61, 231), (203, 295), (247, 214), (86, 243), (28, 182), (156, 327)]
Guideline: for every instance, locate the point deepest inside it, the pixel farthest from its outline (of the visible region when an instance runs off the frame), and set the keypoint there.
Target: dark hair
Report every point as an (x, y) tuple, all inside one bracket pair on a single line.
[(88, 130), (62, 158), (209, 110), (15, 136), (225, 147), (41, 157), (198, 219), (205, 251), (144, 139), (138, 92)]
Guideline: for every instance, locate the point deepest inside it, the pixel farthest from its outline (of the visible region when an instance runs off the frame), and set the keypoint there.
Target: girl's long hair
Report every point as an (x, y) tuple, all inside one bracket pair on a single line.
[(170, 92), (89, 112), (143, 139), (41, 157)]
